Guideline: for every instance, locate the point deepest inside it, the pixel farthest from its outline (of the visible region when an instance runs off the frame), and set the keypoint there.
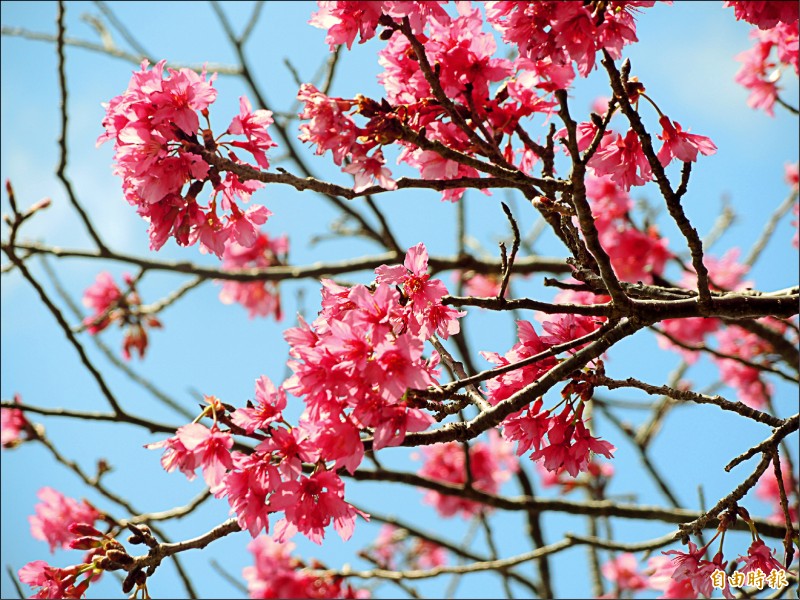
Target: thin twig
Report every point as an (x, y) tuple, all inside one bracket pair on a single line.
[(113, 52), (514, 248), (62, 138), (769, 229)]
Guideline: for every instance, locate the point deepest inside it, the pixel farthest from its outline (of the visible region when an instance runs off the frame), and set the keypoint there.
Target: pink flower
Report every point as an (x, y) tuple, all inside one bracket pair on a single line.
[(55, 513), (176, 456), (608, 200), (278, 574), (392, 549), (530, 344), (566, 31), (13, 424), (624, 573), (490, 464), (336, 438), (623, 160), (661, 570), (253, 125), (767, 490), (247, 486), (310, 504), (760, 72), (111, 305), (211, 449), (53, 581), (346, 19), (395, 421), (690, 566), (479, 285), (635, 255), (260, 298), (102, 296), (759, 556), (328, 127), (570, 444), (746, 380), (765, 15), (271, 403), (528, 429), (365, 169), (681, 144), (155, 128), (396, 366)]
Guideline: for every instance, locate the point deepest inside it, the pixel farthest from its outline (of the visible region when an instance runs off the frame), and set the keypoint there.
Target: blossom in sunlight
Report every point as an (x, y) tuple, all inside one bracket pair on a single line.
[(55, 513), (310, 504), (681, 144)]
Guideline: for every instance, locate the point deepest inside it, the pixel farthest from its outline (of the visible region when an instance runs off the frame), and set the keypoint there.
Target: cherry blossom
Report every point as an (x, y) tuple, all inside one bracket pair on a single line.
[(13, 424), (210, 448), (111, 305), (394, 547), (622, 159), (765, 15), (624, 573), (156, 132), (768, 490), (759, 556), (310, 504), (681, 144), (54, 582), (760, 72), (276, 573), (660, 570), (260, 298), (491, 464), (565, 31), (55, 513)]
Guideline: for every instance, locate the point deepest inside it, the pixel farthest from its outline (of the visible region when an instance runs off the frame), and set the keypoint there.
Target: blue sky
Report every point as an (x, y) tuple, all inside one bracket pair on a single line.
[(685, 60)]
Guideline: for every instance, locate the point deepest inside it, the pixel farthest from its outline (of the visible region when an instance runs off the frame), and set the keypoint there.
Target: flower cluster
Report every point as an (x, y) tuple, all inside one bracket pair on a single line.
[(623, 572), (278, 574), (761, 70), (395, 549), (490, 465), (331, 127), (566, 32), (768, 490), (260, 298), (463, 55), (569, 443), (353, 367), (764, 15), (690, 574), (160, 147), (55, 582), (54, 515), (355, 362), (110, 304), (104, 553)]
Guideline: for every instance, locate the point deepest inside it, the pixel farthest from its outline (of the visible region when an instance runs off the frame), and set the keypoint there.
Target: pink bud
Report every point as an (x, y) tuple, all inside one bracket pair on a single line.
[(84, 529)]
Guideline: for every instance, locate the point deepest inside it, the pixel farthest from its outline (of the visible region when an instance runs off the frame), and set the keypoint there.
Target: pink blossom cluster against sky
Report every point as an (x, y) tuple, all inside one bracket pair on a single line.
[(709, 77)]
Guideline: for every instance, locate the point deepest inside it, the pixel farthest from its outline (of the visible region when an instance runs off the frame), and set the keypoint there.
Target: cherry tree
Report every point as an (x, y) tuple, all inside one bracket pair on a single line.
[(508, 339)]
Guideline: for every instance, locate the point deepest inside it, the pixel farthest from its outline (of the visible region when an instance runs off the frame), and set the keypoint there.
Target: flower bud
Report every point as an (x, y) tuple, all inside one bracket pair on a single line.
[(84, 543), (84, 529), (120, 556)]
